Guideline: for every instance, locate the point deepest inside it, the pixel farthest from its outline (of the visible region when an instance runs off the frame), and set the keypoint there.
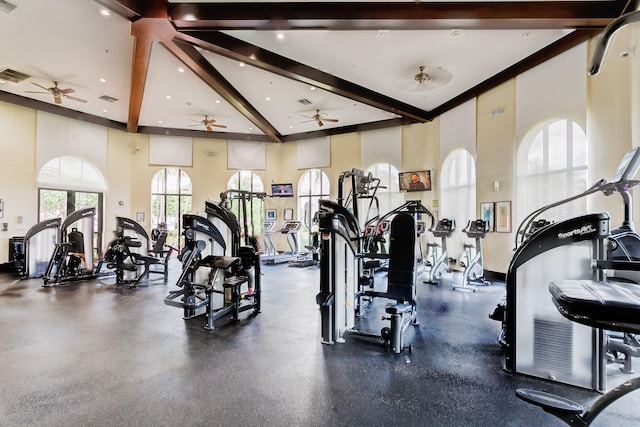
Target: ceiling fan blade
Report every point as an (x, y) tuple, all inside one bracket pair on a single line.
[(58, 99), (320, 123), (307, 121), (330, 120), (40, 86), (220, 126), (208, 128), (66, 91), (34, 91), (75, 98)]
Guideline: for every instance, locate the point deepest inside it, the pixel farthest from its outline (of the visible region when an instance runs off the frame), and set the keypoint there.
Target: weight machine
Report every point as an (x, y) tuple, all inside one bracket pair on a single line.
[(72, 257)]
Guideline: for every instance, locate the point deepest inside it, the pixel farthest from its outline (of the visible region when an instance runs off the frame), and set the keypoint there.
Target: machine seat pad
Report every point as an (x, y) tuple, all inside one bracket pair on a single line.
[(398, 308), (127, 266), (609, 305), (374, 263), (233, 281), (218, 261)]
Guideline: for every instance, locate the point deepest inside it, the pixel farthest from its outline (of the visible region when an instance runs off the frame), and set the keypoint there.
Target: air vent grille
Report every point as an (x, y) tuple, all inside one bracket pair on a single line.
[(12, 75), (7, 7), (108, 98), (304, 101)]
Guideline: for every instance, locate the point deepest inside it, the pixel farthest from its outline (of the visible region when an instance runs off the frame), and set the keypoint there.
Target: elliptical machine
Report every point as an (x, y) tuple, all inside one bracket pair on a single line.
[(443, 229), (474, 270)]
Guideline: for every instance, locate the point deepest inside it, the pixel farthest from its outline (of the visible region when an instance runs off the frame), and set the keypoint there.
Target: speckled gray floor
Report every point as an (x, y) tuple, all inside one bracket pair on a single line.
[(92, 354)]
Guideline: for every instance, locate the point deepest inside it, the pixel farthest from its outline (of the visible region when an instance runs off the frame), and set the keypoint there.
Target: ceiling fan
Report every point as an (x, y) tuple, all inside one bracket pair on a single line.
[(208, 123), (319, 118), (427, 78), (58, 93)]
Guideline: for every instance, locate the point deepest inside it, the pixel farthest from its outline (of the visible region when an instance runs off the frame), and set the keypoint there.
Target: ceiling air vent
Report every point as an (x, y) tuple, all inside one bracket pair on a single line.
[(108, 98), (7, 7), (304, 101), (13, 76)]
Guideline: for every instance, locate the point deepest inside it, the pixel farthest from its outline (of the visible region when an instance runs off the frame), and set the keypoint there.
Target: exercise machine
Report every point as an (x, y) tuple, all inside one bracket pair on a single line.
[(31, 253), (212, 283), (600, 305), (473, 266), (268, 227), (290, 229), (443, 230), (343, 298), (132, 257), (539, 341), (72, 256)]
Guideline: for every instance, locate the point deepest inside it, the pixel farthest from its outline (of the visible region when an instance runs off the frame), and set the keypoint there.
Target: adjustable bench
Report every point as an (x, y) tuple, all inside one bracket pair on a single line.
[(613, 306)]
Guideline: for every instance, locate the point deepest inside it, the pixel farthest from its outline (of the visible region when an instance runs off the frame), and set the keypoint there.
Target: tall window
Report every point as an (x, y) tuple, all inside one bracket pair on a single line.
[(67, 184), (388, 194), (458, 194), (552, 165), (248, 181), (170, 199), (312, 186)]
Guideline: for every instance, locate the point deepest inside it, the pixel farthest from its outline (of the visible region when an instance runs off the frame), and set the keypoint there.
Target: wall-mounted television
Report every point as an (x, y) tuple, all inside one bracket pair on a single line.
[(415, 181), (282, 190)]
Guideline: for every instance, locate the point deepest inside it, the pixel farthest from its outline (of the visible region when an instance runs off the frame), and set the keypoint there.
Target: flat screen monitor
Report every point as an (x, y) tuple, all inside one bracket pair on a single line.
[(282, 190), (415, 181)]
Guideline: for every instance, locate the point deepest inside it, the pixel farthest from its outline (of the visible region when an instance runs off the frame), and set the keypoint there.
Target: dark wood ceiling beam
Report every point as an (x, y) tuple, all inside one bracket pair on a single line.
[(189, 56), (567, 42), (361, 127), (393, 15), (231, 47)]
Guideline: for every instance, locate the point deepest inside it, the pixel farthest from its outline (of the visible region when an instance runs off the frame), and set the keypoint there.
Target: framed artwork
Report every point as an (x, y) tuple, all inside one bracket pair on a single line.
[(270, 214), (1, 208), (487, 213), (503, 217), (288, 214), (139, 216)]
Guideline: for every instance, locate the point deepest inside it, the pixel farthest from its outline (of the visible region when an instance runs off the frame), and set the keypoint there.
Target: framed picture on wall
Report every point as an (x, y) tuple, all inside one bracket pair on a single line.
[(270, 214), (288, 214), (487, 213), (503, 217)]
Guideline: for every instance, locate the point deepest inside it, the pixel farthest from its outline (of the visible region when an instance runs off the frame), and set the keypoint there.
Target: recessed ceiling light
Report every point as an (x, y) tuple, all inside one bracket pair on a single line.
[(268, 98), (456, 32), (105, 111), (312, 88), (103, 80), (217, 101), (2, 82), (250, 128), (280, 36), (290, 127), (181, 70), (105, 12), (159, 122), (189, 17), (383, 33), (242, 64), (168, 96)]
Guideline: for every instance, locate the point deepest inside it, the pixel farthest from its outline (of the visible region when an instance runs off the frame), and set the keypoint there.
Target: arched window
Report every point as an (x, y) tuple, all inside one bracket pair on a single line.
[(458, 194), (312, 186), (552, 165), (66, 184), (388, 194), (248, 181), (170, 199)]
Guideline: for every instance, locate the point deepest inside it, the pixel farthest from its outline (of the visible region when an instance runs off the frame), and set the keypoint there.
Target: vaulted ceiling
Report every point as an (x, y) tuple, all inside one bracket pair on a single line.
[(276, 72)]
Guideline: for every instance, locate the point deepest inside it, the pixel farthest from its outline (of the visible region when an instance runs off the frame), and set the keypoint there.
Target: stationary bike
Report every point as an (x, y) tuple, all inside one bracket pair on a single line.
[(443, 229), (474, 271)]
